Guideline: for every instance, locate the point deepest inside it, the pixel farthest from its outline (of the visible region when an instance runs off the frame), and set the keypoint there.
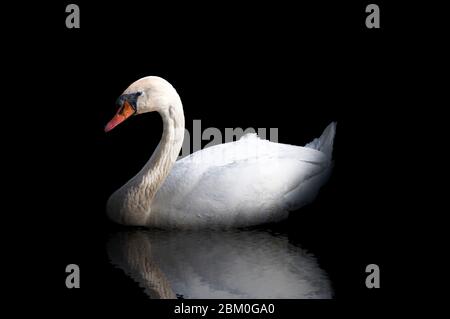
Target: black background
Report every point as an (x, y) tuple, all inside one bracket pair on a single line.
[(294, 67)]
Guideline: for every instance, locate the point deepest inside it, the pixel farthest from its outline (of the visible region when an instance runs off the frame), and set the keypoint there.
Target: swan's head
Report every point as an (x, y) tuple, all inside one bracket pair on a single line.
[(148, 94)]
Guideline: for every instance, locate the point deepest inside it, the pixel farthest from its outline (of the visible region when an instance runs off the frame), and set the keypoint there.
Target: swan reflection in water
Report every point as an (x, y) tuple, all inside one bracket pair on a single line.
[(218, 264)]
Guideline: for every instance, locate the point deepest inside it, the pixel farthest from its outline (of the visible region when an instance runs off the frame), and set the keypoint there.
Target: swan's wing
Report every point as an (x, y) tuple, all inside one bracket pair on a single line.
[(246, 191), (242, 183)]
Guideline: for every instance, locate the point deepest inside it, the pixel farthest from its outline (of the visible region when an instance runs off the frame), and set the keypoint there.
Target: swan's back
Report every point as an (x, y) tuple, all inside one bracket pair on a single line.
[(243, 183)]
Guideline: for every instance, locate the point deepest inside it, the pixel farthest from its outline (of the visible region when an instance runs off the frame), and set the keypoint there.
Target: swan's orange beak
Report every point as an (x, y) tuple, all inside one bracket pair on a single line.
[(124, 112)]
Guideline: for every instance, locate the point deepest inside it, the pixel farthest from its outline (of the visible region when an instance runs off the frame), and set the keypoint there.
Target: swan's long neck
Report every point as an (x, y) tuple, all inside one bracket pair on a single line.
[(133, 200), (158, 167)]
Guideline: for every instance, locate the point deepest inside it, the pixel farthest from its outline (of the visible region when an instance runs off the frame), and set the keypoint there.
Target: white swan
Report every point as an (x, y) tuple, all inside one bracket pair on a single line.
[(238, 184)]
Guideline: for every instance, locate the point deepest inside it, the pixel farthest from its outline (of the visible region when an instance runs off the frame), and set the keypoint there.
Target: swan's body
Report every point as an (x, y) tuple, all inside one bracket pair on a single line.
[(242, 183)]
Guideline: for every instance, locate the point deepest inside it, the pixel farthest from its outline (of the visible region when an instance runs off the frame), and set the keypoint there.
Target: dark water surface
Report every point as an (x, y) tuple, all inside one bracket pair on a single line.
[(218, 264)]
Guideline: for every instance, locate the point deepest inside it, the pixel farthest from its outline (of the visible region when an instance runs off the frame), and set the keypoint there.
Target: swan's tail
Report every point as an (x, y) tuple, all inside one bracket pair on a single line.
[(325, 142)]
